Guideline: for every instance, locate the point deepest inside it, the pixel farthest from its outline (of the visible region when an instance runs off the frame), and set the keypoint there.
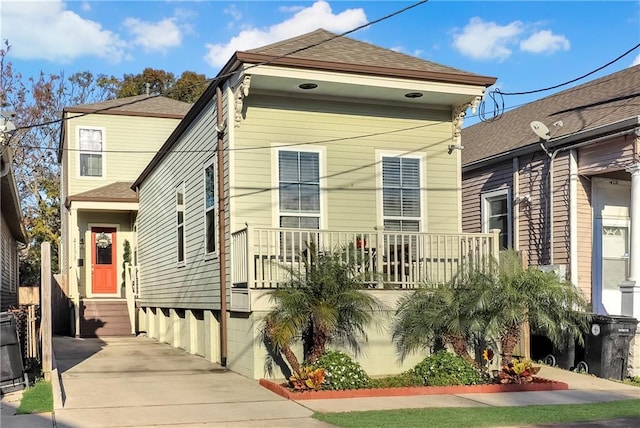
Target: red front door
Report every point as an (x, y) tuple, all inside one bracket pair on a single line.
[(103, 260)]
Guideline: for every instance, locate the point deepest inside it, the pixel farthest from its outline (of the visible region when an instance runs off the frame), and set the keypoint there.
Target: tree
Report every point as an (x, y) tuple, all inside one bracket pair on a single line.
[(325, 303), (448, 313), (188, 87), (36, 104), (552, 306), (490, 303)]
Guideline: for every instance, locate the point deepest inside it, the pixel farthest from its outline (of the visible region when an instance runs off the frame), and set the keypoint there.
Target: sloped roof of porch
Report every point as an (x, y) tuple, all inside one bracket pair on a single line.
[(592, 105), (115, 192), (139, 105)]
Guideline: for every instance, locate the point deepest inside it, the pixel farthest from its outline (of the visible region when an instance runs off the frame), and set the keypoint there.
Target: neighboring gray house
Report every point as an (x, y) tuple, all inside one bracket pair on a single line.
[(343, 144), (12, 233), (571, 198)]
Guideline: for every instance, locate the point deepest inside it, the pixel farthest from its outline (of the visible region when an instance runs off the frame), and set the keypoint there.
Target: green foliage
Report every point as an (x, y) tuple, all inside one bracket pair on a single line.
[(400, 380), (444, 368), (126, 260), (341, 372), (187, 88), (324, 303), (37, 399)]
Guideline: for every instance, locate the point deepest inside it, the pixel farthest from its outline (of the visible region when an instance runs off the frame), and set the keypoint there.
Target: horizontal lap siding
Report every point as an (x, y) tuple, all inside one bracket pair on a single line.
[(606, 156), (130, 143), (560, 216), (474, 184), (350, 135), (162, 282), (585, 236), (534, 233)]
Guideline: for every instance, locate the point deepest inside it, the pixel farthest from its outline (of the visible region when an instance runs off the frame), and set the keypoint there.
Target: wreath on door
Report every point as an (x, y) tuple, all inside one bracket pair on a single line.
[(103, 240)]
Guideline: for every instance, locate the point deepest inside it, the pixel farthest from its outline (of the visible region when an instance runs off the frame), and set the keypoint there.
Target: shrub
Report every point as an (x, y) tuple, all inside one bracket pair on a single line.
[(396, 381), (341, 372), (444, 369)]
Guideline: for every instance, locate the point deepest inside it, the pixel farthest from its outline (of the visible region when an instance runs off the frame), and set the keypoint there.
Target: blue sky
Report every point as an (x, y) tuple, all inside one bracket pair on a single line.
[(526, 45)]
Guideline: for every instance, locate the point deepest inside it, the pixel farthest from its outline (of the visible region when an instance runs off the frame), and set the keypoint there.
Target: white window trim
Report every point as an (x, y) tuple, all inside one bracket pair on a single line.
[(181, 187), (275, 182), (211, 162), (486, 197), (422, 157), (103, 153)]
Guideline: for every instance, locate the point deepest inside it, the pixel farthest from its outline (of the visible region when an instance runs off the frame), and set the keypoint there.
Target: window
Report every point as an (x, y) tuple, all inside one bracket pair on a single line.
[(91, 145), (299, 199), (180, 222), (496, 214), (299, 189), (401, 193), (210, 206)]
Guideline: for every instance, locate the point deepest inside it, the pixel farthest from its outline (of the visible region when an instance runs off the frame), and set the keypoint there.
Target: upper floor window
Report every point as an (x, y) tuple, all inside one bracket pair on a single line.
[(210, 201), (91, 150), (299, 189), (401, 202), (180, 202), (496, 214)]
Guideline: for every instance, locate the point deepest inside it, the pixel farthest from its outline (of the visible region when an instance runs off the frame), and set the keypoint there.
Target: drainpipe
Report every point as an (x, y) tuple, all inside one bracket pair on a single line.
[(221, 229)]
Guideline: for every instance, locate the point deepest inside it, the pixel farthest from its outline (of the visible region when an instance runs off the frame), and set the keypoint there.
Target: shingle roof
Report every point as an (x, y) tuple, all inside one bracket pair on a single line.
[(140, 104), (346, 54), (591, 105), (114, 192)]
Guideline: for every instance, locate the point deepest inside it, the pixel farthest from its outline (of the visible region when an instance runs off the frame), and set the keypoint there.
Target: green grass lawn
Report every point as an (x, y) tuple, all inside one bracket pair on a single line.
[(37, 399), (476, 417)]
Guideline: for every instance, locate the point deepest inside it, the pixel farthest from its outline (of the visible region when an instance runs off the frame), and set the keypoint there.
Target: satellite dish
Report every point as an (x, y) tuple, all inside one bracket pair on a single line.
[(541, 130)]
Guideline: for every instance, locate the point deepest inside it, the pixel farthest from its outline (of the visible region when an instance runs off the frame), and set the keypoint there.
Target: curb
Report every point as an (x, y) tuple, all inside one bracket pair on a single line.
[(56, 383), (539, 384)]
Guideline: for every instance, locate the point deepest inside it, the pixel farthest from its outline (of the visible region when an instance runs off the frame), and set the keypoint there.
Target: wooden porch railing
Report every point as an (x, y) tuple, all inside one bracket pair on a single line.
[(262, 257)]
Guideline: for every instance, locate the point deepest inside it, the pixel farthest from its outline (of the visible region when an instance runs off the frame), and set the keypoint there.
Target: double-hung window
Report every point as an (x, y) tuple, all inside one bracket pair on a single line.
[(496, 214), (299, 198), (91, 148), (401, 203), (180, 202), (210, 202)]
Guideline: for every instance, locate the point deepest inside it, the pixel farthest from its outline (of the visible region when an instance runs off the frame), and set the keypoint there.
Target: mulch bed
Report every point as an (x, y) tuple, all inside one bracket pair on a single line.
[(538, 384)]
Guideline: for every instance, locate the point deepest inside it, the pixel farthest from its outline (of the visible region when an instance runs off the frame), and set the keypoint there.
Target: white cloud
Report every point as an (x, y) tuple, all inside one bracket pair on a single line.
[(318, 15), (487, 40), (154, 36), (545, 42), (46, 30), (290, 9), (86, 7), (232, 11), (636, 61)]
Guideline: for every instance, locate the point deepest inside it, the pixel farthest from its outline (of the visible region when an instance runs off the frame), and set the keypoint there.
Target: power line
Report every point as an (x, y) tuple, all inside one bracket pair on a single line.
[(222, 76)]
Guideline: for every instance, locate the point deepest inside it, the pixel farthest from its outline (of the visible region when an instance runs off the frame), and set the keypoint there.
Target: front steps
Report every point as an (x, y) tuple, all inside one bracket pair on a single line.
[(104, 318)]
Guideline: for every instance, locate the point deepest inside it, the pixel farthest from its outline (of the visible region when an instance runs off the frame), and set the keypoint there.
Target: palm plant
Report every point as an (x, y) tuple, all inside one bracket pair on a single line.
[(324, 303), (448, 312), (552, 306)]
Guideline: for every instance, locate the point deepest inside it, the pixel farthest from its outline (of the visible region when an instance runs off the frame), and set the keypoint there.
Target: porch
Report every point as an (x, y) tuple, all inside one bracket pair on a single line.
[(264, 257)]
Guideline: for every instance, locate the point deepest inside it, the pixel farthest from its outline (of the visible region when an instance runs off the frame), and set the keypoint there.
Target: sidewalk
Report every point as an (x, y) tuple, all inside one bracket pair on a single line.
[(138, 382)]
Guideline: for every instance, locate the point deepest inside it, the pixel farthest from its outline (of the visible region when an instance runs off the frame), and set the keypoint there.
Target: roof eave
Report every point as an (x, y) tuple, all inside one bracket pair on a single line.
[(554, 143), (456, 78)]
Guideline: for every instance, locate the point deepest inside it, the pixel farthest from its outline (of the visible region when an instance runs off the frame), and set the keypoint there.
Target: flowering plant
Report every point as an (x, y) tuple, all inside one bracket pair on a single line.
[(518, 371)]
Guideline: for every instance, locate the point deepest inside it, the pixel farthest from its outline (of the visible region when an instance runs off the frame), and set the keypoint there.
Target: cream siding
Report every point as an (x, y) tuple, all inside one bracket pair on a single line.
[(130, 143), (350, 135), (162, 283)]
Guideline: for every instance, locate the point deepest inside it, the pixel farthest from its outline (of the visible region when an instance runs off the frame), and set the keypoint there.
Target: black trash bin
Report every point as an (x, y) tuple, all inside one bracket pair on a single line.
[(607, 346), (12, 370), (564, 356)]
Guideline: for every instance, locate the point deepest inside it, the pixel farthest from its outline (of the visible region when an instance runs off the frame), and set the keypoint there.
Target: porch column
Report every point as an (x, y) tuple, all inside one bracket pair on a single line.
[(74, 254), (630, 289)]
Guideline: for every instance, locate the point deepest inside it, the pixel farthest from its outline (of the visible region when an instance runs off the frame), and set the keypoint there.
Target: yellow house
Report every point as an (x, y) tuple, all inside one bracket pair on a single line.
[(103, 148), (319, 140)]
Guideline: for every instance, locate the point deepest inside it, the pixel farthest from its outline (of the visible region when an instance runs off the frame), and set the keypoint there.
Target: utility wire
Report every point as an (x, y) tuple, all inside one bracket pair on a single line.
[(223, 76)]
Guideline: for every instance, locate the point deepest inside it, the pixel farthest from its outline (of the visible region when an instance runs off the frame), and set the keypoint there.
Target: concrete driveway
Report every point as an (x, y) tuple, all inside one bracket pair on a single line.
[(138, 382)]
